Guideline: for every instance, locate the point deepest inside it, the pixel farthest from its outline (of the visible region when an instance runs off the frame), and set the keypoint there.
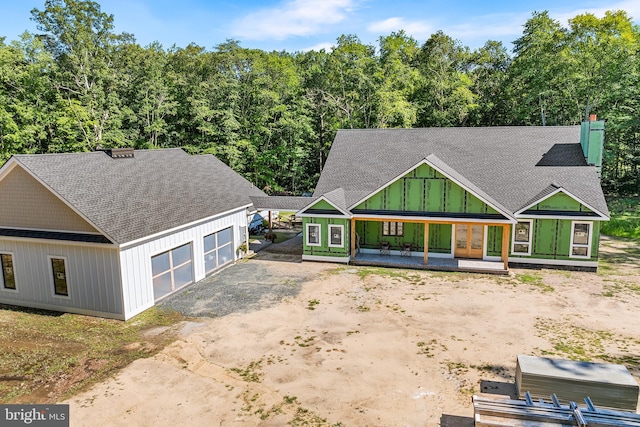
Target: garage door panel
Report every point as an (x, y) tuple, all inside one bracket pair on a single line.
[(162, 285), (210, 262), (182, 276), (209, 243), (218, 248), (225, 254), (225, 236), (181, 255), (160, 263), (172, 270)]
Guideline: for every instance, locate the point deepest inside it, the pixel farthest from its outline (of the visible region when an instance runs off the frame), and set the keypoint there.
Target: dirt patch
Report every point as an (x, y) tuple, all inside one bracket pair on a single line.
[(46, 356), (362, 347)]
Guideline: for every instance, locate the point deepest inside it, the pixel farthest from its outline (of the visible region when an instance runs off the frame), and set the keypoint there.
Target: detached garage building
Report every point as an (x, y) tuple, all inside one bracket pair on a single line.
[(110, 232)]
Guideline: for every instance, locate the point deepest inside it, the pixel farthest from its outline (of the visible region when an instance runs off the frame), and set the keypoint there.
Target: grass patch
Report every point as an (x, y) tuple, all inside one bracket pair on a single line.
[(620, 288), (251, 373), (47, 356), (577, 343), (535, 280), (625, 219), (392, 273)]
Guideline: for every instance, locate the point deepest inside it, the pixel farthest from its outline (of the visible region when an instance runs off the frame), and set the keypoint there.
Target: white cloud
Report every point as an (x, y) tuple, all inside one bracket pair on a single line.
[(417, 29), (327, 46), (293, 18), (490, 27)]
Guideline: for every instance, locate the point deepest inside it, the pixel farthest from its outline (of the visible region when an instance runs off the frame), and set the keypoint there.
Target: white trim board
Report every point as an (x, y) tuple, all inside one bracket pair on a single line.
[(342, 260), (60, 242), (306, 215), (69, 309), (413, 254), (563, 262), (568, 218)]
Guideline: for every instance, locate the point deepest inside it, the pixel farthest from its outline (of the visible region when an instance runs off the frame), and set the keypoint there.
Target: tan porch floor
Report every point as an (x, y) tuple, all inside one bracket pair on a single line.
[(433, 263)]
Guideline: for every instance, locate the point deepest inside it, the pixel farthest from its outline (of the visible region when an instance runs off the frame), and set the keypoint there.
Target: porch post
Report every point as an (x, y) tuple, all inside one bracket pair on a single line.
[(505, 246), (426, 243), (353, 237)]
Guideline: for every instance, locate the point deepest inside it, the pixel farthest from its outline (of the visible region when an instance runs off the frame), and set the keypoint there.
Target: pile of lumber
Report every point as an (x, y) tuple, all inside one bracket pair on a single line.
[(608, 385), (527, 413)]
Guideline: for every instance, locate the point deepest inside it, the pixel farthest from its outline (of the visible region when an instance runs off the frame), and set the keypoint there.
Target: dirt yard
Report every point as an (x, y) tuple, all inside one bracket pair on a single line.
[(374, 347)]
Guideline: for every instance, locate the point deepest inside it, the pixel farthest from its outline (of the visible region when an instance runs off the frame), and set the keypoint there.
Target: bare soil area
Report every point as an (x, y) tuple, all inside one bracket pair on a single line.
[(375, 347)]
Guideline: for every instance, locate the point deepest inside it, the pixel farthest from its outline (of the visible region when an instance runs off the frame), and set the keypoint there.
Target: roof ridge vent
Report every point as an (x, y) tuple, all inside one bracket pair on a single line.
[(120, 153)]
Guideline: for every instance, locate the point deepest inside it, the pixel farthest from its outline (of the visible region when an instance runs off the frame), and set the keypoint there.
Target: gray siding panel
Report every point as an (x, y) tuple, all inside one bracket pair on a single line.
[(92, 274)]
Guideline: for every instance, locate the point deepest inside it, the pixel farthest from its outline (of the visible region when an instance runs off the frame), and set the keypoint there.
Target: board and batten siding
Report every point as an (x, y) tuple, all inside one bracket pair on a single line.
[(93, 277), (135, 261)]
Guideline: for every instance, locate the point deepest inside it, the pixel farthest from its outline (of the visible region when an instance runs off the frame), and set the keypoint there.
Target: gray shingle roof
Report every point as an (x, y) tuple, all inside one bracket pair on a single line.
[(152, 192), (281, 203), (337, 198), (510, 164)]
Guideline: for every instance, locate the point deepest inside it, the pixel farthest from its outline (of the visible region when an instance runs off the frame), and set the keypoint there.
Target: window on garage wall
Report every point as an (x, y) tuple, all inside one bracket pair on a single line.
[(7, 276), (172, 270), (59, 275), (218, 249)]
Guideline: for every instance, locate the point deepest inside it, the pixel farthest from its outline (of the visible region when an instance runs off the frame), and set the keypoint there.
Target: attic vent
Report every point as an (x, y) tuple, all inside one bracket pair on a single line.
[(120, 153)]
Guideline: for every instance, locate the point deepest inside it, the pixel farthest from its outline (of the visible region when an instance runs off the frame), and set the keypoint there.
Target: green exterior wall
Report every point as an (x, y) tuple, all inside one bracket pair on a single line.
[(425, 190), (494, 241), (370, 233), (551, 239), (324, 205), (325, 249), (560, 202)]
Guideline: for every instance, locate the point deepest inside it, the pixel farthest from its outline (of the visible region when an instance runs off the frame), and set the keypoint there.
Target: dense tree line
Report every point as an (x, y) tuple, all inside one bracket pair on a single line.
[(78, 86)]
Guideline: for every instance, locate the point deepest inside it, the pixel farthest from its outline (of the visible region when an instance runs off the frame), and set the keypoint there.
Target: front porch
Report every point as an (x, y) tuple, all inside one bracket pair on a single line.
[(433, 263), (470, 244)]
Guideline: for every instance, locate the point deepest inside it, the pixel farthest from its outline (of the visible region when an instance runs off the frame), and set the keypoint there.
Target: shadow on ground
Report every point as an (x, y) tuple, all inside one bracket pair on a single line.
[(499, 387), (455, 421)]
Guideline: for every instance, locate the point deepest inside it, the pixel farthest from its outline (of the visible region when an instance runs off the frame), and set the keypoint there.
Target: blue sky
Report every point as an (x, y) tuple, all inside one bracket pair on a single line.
[(296, 25)]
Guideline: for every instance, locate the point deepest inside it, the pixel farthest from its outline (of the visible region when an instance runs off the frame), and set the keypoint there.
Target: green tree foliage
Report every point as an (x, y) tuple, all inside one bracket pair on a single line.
[(445, 97), (272, 116)]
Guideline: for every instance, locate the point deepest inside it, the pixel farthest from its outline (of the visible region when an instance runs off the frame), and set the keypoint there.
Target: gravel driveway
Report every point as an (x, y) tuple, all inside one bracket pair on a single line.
[(249, 285)]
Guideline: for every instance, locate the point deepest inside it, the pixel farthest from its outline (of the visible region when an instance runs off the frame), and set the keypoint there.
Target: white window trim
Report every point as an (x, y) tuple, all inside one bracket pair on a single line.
[(309, 225), (15, 277), (66, 272), (341, 227), (513, 238), (588, 245)]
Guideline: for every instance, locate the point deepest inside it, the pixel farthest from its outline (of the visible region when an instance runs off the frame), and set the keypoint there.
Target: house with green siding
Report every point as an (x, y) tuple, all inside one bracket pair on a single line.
[(457, 198)]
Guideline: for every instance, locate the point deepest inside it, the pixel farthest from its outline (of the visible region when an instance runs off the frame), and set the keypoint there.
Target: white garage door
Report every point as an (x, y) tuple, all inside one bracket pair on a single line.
[(172, 270), (218, 249)]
